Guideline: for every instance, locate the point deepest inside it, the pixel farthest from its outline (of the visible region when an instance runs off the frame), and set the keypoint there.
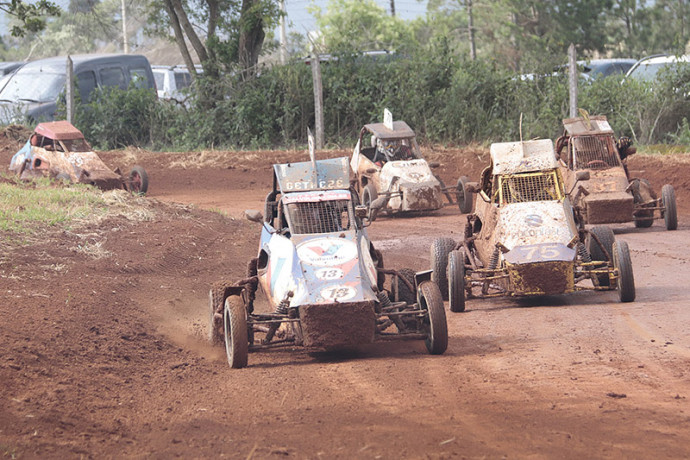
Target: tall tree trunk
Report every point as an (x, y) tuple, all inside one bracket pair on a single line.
[(189, 30), (179, 38), (251, 36)]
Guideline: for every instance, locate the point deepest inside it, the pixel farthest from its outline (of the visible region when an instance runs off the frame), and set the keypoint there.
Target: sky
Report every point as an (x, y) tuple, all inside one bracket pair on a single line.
[(299, 19)]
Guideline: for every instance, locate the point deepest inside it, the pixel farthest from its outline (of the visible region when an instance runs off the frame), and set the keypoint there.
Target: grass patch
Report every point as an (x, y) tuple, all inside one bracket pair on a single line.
[(27, 208)]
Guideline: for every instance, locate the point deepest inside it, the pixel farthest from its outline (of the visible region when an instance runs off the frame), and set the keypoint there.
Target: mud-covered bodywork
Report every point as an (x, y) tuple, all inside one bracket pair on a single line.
[(523, 238), (59, 150), (322, 277), (609, 196), (388, 160)]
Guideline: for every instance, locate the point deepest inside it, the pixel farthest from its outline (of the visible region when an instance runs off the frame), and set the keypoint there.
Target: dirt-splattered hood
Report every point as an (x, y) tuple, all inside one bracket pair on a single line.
[(415, 171), (535, 222), (322, 268)]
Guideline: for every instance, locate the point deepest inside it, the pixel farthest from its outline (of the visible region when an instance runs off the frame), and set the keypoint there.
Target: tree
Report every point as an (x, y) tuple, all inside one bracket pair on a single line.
[(359, 25), (31, 16), (219, 32)]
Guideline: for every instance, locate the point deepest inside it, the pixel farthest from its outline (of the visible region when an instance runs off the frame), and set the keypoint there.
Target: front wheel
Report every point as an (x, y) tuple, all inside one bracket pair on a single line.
[(138, 181), (464, 197), (235, 331), (606, 237), (369, 194), (456, 281), (435, 323), (626, 280), (440, 249), (668, 198)]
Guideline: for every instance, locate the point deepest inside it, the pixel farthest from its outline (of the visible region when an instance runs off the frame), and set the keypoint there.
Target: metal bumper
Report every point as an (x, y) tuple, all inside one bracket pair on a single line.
[(609, 208), (338, 325), (541, 278), (422, 197)]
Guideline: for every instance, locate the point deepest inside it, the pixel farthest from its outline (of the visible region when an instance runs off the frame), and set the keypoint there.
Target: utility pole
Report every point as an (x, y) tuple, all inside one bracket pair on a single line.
[(283, 34), (318, 98), (125, 44), (470, 30), (572, 66), (393, 8)]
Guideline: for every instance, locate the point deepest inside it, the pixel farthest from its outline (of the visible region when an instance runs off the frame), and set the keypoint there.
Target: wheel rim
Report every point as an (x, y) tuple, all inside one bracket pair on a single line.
[(228, 335), (135, 181)]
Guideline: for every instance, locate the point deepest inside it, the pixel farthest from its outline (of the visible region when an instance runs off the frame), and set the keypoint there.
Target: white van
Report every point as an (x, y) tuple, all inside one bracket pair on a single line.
[(646, 69), (171, 81)]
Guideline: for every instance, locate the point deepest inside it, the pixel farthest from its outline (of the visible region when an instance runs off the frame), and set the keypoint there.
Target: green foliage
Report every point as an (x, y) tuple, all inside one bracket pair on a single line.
[(116, 118), (360, 25), (31, 16)]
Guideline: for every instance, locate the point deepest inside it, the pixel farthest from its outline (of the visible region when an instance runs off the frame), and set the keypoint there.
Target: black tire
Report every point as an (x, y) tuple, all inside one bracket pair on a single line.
[(235, 332), (369, 194), (456, 281), (607, 238), (215, 329), (440, 249), (668, 198), (401, 291), (463, 196), (626, 280), (138, 181), (435, 322), (644, 219)]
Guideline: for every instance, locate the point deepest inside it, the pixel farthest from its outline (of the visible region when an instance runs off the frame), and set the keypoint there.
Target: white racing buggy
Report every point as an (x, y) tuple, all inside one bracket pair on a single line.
[(524, 239), (57, 149), (387, 163), (324, 282), (610, 196)]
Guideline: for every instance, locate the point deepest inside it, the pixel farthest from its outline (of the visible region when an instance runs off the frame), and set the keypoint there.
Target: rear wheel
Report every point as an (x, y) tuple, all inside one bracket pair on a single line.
[(463, 196), (369, 194), (435, 322), (440, 249), (138, 181), (215, 328), (626, 280), (668, 198), (456, 281), (606, 237), (235, 329)]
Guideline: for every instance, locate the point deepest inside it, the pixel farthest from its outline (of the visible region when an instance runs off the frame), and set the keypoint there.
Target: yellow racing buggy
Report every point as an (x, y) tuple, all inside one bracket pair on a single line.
[(523, 238)]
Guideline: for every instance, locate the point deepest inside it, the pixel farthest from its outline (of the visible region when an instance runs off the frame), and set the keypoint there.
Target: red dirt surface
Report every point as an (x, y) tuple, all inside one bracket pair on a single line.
[(107, 357)]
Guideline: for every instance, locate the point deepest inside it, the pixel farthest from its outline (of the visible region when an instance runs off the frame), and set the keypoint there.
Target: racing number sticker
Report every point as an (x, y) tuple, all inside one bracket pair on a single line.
[(338, 293), (329, 274), (540, 252)]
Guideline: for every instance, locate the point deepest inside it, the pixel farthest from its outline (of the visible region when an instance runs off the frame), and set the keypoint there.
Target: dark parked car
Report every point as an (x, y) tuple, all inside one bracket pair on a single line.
[(33, 91)]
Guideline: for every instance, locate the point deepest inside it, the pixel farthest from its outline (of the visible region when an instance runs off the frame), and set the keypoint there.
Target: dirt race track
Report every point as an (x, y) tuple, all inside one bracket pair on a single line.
[(105, 357)]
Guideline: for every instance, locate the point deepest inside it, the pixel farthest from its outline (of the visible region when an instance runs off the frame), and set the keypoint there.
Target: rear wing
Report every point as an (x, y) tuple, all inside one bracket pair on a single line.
[(331, 174), (519, 157), (590, 125)]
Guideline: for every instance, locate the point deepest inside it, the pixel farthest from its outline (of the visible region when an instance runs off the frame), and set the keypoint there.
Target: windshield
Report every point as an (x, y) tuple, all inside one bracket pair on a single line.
[(34, 87), (77, 145), (522, 188), (595, 152), (319, 216)]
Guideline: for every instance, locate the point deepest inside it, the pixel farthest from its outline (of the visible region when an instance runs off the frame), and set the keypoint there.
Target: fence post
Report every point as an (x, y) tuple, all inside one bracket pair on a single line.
[(572, 66), (69, 87)]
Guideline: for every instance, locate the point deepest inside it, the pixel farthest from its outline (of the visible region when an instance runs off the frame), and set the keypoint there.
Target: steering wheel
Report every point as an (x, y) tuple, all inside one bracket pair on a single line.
[(595, 163)]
